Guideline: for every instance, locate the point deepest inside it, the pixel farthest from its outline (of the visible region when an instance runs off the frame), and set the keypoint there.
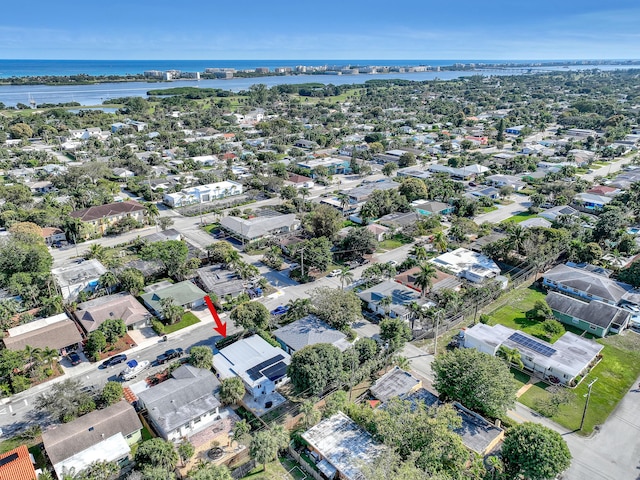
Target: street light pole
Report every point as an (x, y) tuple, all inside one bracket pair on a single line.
[(586, 404)]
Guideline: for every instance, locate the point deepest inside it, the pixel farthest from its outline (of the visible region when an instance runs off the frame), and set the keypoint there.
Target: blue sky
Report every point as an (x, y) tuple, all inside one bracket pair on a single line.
[(327, 29)]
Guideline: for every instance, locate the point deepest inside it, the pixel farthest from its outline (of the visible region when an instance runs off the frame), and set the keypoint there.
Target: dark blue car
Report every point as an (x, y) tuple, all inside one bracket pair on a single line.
[(115, 360), (280, 310)]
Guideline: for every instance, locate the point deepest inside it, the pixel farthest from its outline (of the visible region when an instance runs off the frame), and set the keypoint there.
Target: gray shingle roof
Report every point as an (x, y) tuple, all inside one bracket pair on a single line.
[(393, 384), (63, 441), (587, 282), (595, 312), (310, 330), (177, 401)]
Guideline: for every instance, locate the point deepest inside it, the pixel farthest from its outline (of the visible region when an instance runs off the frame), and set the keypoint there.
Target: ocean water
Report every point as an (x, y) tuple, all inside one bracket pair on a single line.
[(29, 68), (96, 94)]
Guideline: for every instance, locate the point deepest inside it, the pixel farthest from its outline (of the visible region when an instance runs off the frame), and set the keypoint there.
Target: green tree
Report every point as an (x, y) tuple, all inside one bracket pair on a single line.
[(535, 452), (96, 343), (345, 276), (440, 241), (222, 252), (156, 452), (552, 328), (201, 356), (316, 253), (396, 331), (165, 223), (323, 221), (173, 256), (420, 252), (315, 368), (131, 280), (231, 391), (424, 278), (210, 471), (358, 242), (185, 451), (407, 159), (367, 349), (510, 355), (389, 168), (171, 312), (263, 448), (478, 380), (413, 189), (112, 392), (65, 401), (251, 316), (240, 432), (113, 329), (631, 274), (21, 131), (310, 414), (339, 308)]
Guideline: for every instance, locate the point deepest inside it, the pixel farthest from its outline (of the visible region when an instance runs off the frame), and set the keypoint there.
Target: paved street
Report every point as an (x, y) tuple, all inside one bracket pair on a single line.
[(613, 453), (606, 170)]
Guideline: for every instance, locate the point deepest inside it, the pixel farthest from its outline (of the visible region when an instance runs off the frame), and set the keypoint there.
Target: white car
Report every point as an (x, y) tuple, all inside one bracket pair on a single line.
[(335, 273), (393, 263)]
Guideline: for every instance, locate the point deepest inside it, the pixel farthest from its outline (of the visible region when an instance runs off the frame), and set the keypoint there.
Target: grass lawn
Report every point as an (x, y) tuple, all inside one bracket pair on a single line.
[(389, 244), (146, 434), (521, 217), (211, 227), (616, 373), (488, 209), (521, 378), (188, 319), (275, 471)]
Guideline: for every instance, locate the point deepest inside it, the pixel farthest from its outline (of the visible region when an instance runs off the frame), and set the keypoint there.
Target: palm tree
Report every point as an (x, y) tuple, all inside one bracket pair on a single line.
[(440, 241), (385, 303), (96, 251), (108, 280), (48, 355), (510, 355), (517, 237), (304, 193), (416, 312), (346, 276), (310, 414), (343, 198), (424, 278), (494, 465), (420, 252), (152, 212)]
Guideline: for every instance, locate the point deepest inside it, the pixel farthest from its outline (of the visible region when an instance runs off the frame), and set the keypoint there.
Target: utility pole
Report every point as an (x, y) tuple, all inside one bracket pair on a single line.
[(302, 263), (76, 244), (435, 337), (586, 404)]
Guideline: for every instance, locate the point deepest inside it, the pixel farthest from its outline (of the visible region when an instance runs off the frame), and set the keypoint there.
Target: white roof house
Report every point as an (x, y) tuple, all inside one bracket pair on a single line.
[(565, 359), (202, 193), (464, 263), (260, 365), (76, 277)]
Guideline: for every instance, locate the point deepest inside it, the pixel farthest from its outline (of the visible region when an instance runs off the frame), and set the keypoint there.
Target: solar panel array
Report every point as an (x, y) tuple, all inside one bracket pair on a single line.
[(276, 371), (8, 459), (255, 372), (532, 344)]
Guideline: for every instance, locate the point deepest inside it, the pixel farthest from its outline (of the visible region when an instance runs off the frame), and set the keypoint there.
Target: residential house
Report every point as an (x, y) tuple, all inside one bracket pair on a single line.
[(185, 294), (394, 383), (596, 317), (589, 202), (77, 277), (464, 173), (299, 181), (309, 330), (334, 166), (53, 235), (261, 366), (102, 217), (477, 433), (124, 306), (569, 357), (398, 221), (306, 144), (464, 263), (401, 297), (517, 130), (183, 405), (42, 187), (202, 194), (58, 332), (553, 213), (123, 173), (379, 231), (249, 230), (341, 447), (489, 192), (414, 172), (16, 464), (604, 191), (104, 435), (589, 285), (206, 160), (220, 282), (505, 181), (432, 207), (442, 280), (361, 193), (535, 222)]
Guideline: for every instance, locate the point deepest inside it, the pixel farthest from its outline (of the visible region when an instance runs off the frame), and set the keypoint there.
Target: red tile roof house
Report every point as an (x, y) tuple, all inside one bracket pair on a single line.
[(604, 190), (16, 464), (442, 280), (103, 216)]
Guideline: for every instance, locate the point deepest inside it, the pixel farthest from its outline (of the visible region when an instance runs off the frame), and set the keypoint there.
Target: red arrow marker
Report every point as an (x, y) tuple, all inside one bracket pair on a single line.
[(220, 327)]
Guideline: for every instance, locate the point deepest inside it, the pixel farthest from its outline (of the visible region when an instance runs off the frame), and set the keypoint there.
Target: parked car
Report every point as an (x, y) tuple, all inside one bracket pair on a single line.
[(169, 355), (334, 273), (115, 360), (280, 310), (393, 263), (74, 358)]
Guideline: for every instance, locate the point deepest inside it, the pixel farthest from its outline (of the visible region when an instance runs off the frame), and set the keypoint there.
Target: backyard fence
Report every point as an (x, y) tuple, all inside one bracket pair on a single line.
[(302, 463)]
